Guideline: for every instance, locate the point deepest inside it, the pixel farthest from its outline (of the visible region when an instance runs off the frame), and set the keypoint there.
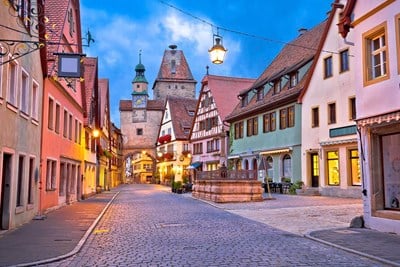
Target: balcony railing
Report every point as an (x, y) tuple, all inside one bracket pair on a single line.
[(227, 175)]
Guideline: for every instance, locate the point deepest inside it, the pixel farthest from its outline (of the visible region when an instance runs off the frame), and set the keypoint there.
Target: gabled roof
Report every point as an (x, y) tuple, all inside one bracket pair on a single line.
[(180, 109), (174, 67), (293, 56), (57, 13), (90, 72), (225, 90)]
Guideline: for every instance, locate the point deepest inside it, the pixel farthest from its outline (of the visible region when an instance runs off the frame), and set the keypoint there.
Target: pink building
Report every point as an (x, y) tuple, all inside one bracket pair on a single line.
[(62, 146), (375, 28)]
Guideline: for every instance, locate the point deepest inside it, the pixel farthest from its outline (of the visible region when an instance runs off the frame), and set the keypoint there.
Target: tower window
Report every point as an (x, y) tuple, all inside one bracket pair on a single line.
[(173, 66)]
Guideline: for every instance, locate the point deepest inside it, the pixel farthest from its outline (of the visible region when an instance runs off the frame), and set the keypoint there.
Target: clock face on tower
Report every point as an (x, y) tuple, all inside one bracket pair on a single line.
[(139, 101)]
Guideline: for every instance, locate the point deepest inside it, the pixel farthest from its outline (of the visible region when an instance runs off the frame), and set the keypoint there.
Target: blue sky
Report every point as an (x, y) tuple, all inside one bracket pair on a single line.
[(122, 28)]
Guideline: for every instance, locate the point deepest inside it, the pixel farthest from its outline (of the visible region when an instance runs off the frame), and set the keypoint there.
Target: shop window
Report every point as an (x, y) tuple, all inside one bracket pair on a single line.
[(333, 167), (355, 173)]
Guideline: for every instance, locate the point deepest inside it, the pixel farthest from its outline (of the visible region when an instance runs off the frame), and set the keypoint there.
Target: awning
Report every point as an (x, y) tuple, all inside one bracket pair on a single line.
[(276, 151), (195, 165), (338, 142), (387, 117)]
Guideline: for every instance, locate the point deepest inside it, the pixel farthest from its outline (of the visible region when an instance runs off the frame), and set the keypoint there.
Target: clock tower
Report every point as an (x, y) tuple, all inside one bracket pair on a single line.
[(139, 93)]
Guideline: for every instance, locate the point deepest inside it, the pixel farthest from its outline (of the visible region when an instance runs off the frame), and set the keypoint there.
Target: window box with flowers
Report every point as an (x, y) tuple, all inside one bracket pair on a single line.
[(185, 153), (164, 139)]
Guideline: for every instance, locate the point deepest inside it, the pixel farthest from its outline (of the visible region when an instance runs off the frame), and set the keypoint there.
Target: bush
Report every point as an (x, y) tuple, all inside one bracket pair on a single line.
[(296, 185)]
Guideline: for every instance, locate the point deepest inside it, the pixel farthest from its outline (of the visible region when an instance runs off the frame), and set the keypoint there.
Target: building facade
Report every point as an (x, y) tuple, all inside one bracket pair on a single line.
[(62, 157), (266, 124), (330, 157), (209, 135), (141, 117), (374, 27), (21, 91), (173, 153)]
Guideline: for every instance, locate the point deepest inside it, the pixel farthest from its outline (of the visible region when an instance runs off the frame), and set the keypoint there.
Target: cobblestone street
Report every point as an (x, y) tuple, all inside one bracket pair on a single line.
[(146, 226)]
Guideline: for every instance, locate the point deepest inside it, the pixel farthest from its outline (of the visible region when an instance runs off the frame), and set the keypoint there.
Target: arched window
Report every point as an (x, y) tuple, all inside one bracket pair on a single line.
[(287, 166), (246, 164), (270, 167)]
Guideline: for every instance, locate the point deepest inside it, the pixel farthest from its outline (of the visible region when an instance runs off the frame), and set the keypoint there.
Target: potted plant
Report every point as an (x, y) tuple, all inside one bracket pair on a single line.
[(296, 187)]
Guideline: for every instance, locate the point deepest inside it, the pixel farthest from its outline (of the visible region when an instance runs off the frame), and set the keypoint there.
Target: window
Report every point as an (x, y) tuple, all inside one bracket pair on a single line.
[(58, 118), (65, 130), (51, 168), (139, 131), (286, 117), (260, 94), (293, 79), (35, 101), (328, 72), (198, 148), (352, 108), (390, 166), (354, 167), (173, 66), (239, 130), (315, 117), (12, 83), (333, 167), (291, 116), (31, 180), (244, 100), (344, 60), (20, 181), (375, 50), (287, 166), (269, 122), (283, 119), (24, 92), (79, 132), (252, 126), (277, 86), (331, 113), (24, 12), (50, 122), (397, 42), (213, 145), (76, 131), (70, 127)]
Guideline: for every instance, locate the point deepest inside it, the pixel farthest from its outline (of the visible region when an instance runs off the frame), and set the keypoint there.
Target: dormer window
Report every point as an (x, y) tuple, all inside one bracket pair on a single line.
[(260, 94), (293, 79), (277, 86), (244, 99)]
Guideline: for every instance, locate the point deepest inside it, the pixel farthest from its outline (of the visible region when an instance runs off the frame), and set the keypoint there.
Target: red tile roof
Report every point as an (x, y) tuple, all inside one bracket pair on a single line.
[(180, 117), (293, 56), (179, 70), (57, 13), (225, 91)]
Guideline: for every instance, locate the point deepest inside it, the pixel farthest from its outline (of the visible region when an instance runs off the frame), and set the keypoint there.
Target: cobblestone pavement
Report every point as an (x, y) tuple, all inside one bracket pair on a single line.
[(147, 227), (299, 214)]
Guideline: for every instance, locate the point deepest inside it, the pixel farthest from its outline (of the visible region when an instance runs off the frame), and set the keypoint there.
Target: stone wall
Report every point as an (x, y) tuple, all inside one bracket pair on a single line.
[(222, 191)]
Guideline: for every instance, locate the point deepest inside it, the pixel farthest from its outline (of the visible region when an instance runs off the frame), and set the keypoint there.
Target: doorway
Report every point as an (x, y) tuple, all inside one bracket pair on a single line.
[(5, 192), (314, 169)]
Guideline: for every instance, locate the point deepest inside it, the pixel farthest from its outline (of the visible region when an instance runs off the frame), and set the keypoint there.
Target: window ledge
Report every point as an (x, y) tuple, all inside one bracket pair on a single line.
[(387, 214)]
